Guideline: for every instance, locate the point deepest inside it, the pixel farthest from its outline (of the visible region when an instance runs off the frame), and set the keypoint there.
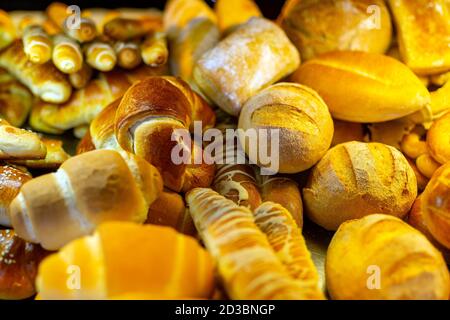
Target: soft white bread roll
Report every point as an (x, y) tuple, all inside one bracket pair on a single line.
[(259, 45), (44, 80), (302, 118), (87, 190), (16, 143), (319, 26), (382, 88), (246, 262), (122, 258), (380, 257), (232, 13), (355, 179)]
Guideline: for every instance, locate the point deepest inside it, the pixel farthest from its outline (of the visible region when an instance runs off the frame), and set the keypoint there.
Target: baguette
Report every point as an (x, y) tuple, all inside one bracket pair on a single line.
[(378, 94), (128, 54), (44, 80), (383, 247), (7, 30), (262, 47), (56, 208), (232, 13), (154, 49), (122, 259), (100, 56), (67, 55), (37, 44)]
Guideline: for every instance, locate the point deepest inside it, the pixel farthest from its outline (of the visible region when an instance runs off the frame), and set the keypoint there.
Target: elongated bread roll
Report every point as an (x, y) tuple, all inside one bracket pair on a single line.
[(355, 179), (37, 44), (67, 55), (124, 29), (7, 30), (377, 94), (262, 47), (246, 262), (87, 190), (300, 118), (124, 258), (154, 49), (44, 80), (232, 13), (422, 25), (128, 54), (380, 257), (100, 56), (438, 139), (81, 78)]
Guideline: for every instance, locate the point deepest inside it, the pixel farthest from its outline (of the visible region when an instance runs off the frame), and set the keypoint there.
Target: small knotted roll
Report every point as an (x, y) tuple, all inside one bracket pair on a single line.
[(100, 55), (37, 44), (154, 49), (128, 54), (67, 55)]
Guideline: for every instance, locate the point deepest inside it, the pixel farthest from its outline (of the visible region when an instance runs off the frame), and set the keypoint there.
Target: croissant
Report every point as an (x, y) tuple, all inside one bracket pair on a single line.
[(37, 44), (124, 29), (7, 30), (44, 80), (102, 128), (16, 143), (122, 258), (287, 241), (67, 55), (87, 102), (232, 13), (81, 78), (15, 99), (128, 54), (100, 55), (151, 110), (154, 49), (246, 262), (85, 144), (87, 190)]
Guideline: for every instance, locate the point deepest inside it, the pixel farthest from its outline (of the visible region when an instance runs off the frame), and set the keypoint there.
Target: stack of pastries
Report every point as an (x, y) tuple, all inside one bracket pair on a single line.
[(357, 91)]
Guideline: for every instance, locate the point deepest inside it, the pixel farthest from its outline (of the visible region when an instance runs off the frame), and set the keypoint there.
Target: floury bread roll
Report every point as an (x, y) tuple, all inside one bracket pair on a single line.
[(123, 258), (304, 123), (87, 190), (364, 87), (423, 32), (356, 179), (259, 45), (380, 257), (319, 26)]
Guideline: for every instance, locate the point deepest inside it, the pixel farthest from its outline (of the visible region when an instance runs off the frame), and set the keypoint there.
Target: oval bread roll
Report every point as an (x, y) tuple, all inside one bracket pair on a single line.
[(438, 139), (355, 179), (305, 124), (364, 87), (381, 257)]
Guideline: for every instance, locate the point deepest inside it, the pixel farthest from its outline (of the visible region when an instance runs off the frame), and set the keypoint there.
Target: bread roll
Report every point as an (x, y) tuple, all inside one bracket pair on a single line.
[(85, 144), (37, 44), (422, 26), (81, 78), (125, 258), (7, 30), (427, 165), (124, 29), (128, 54), (154, 49), (259, 45), (67, 55), (87, 190), (436, 205), (232, 13), (380, 257), (100, 56), (319, 26), (355, 179), (439, 101), (381, 88), (304, 123), (438, 139), (55, 156)]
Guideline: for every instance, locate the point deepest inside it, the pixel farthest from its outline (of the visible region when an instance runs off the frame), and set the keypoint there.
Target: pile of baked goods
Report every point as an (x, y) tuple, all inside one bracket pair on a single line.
[(358, 92)]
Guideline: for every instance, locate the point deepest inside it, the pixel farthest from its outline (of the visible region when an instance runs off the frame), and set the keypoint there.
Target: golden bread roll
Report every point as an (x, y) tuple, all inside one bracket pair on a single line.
[(87, 30), (380, 257), (287, 241), (154, 49), (19, 261), (100, 56), (81, 78), (87, 190), (11, 180), (422, 181), (422, 27), (16, 143), (319, 26), (124, 29), (426, 165), (302, 118), (85, 144), (345, 131), (355, 179), (364, 87), (413, 146), (436, 205), (67, 55), (246, 263), (44, 80), (128, 54), (55, 156), (7, 30), (122, 258), (232, 13), (102, 128), (259, 45), (37, 44), (440, 101), (438, 139)]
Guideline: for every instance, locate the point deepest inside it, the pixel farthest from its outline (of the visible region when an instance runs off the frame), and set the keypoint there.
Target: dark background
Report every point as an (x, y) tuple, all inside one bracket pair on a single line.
[(270, 8)]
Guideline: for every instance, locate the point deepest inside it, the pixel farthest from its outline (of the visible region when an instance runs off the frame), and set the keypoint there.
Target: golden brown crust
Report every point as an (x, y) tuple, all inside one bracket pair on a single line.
[(438, 139), (380, 257), (55, 156), (102, 127), (355, 179), (232, 13), (85, 144), (124, 29), (7, 30)]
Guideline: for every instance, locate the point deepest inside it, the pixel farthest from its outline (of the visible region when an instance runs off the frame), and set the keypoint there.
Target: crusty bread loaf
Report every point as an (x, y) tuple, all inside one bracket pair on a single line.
[(232, 13), (246, 262), (302, 118), (87, 190), (355, 179), (377, 93), (422, 25), (436, 205), (380, 257), (124, 258), (259, 45), (44, 80), (438, 139), (319, 26)]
